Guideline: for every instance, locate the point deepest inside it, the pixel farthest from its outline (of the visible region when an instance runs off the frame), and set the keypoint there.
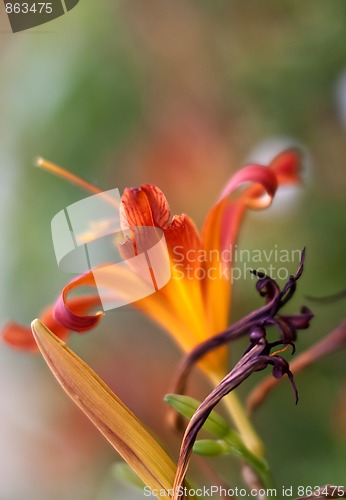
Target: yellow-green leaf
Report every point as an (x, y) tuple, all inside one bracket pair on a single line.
[(107, 412)]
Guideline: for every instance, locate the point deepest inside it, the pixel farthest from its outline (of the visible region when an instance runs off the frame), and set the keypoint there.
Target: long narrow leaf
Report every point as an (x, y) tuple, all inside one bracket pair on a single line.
[(107, 412)]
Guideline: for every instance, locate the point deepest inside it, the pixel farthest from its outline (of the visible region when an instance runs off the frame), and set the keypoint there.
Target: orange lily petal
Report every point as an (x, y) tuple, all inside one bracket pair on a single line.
[(178, 307), (145, 206), (220, 231), (75, 318), (287, 166), (183, 241), (221, 228), (20, 336)]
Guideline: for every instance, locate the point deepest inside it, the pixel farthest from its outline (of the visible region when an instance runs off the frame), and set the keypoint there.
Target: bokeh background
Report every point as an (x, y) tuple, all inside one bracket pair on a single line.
[(179, 94)]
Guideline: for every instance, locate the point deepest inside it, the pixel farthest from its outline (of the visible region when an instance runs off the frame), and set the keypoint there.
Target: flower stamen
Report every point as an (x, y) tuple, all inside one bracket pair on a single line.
[(280, 350), (72, 178)]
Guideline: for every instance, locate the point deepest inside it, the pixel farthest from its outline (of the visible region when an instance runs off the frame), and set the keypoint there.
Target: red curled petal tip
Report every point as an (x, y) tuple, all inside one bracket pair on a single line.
[(73, 321), (72, 313)]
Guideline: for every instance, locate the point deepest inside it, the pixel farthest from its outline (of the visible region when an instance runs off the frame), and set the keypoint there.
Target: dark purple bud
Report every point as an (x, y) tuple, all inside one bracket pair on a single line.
[(290, 287), (254, 325), (281, 368), (257, 334), (268, 288)]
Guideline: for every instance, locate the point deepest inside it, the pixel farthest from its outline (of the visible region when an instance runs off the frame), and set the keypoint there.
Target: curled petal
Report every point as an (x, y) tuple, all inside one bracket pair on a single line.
[(222, 223), (298, 321), (287, 166), (288, 331), (267, 287), (20, 336), (221, 228), (224, 218), (220, 233), (178, 306), (280, 366), (263, 185), (75, 318)]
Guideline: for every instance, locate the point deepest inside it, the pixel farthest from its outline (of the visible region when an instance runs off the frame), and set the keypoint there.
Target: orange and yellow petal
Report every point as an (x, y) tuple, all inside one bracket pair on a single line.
[(178, 307), (145, 206), (20, 336), (221, 228), (73, 313)]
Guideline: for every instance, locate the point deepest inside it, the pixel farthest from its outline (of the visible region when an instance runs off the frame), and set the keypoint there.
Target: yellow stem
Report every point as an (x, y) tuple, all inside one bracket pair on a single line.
[(240, 419)]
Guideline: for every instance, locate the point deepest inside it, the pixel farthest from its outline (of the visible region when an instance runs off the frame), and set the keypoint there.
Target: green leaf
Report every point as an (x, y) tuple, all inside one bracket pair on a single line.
[(211, 448), (230, 442), (187, 406)]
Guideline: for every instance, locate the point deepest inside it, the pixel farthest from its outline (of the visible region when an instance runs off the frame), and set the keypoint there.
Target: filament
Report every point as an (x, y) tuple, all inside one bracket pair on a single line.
[(73, 179)]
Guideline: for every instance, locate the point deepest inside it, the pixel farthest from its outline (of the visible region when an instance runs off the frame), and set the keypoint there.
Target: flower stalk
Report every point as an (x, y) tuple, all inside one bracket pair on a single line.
[(241, 420)]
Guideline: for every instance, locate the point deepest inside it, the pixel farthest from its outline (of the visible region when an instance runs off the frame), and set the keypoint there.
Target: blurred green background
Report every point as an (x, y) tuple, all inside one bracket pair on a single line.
[(180, 94)]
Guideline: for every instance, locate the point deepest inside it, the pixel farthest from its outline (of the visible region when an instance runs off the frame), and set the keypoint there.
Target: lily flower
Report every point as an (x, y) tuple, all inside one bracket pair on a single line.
[(194, 306)]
